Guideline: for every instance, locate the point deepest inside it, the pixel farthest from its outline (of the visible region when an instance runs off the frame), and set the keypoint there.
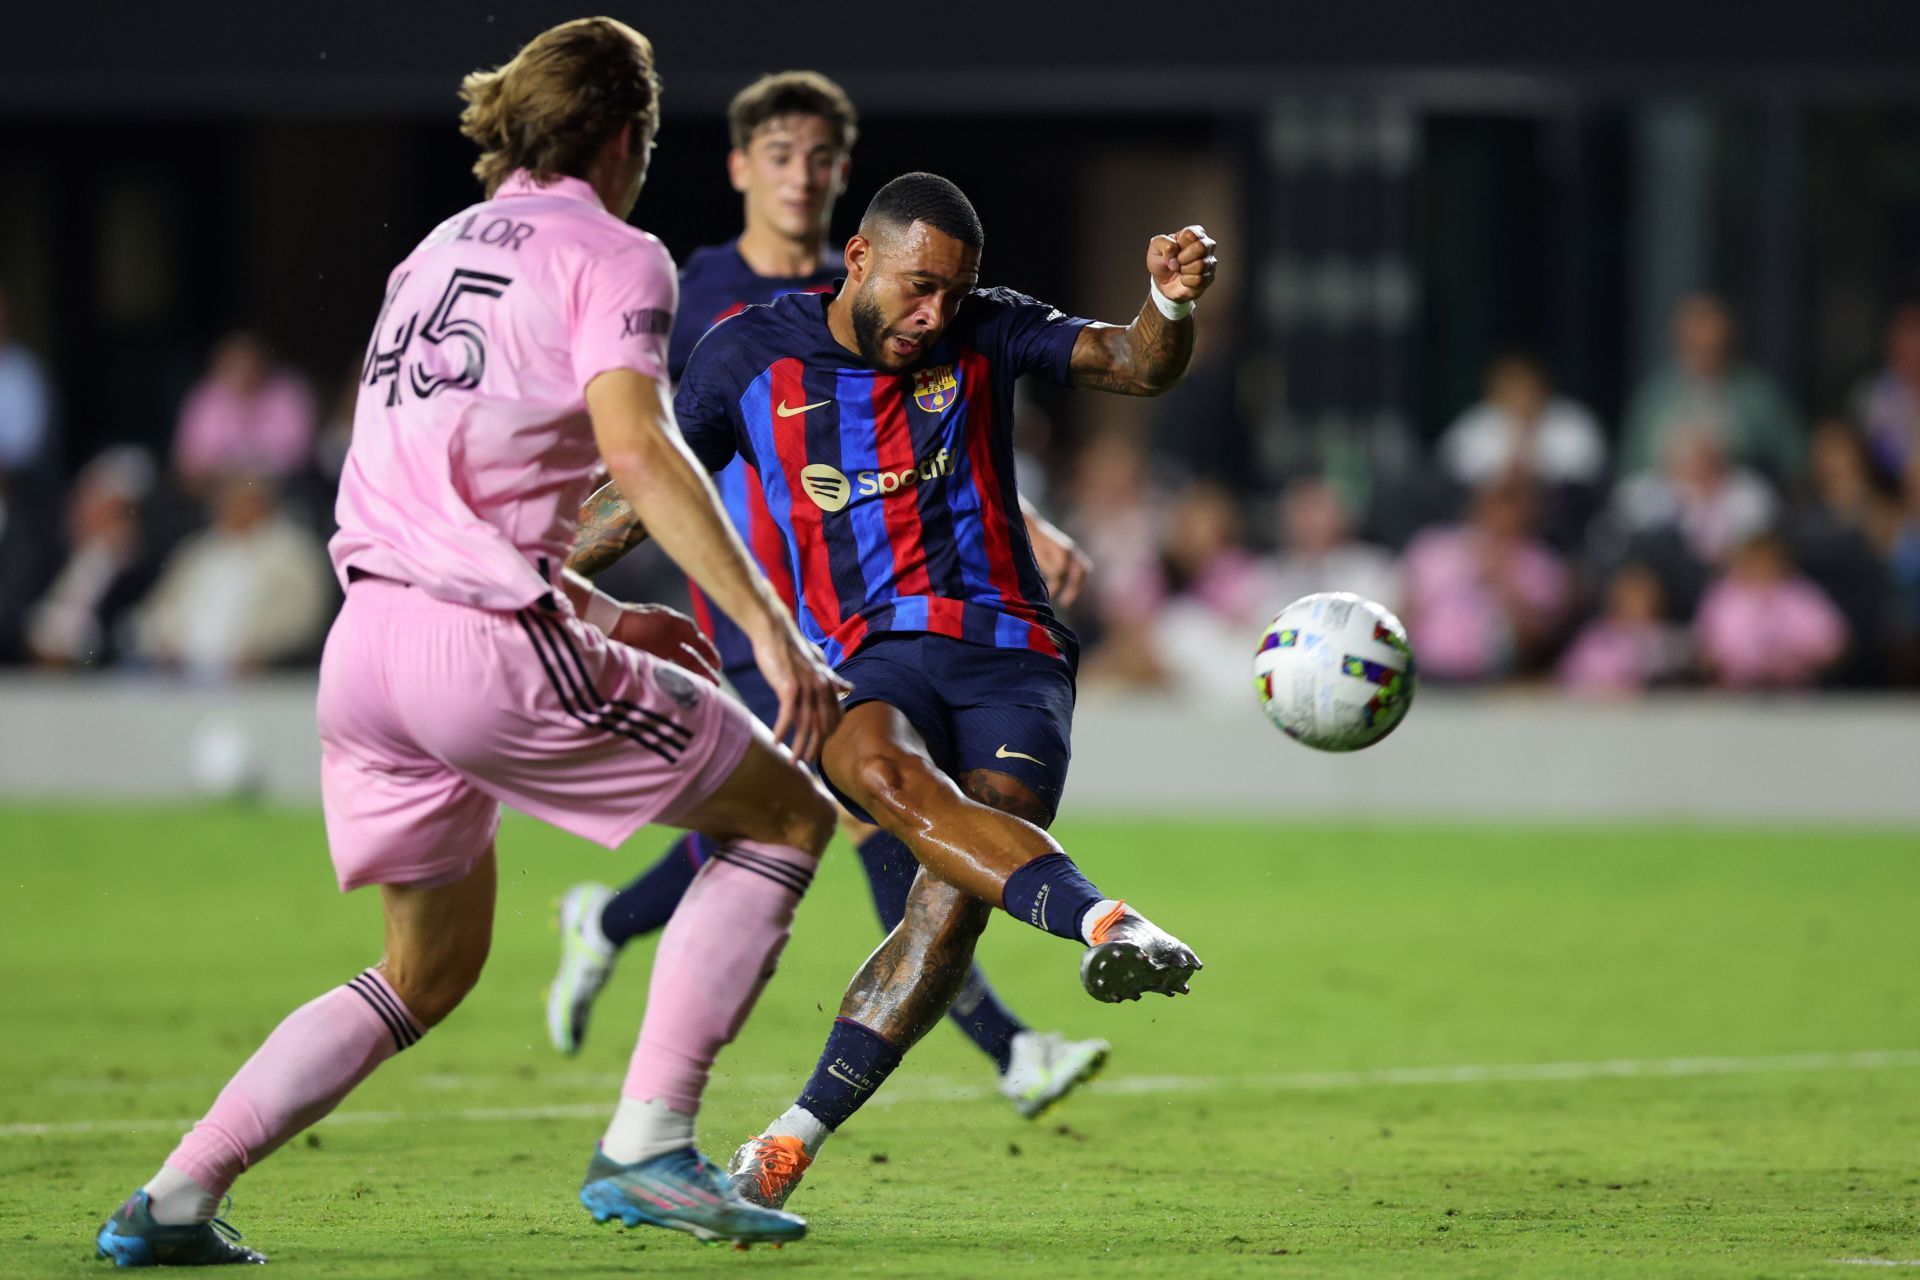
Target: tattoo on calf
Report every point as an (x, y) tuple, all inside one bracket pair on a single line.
[(904, 988)]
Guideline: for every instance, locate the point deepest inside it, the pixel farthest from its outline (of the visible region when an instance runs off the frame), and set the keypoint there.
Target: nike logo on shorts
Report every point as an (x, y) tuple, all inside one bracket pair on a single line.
[(1004, 754), (787, 411)]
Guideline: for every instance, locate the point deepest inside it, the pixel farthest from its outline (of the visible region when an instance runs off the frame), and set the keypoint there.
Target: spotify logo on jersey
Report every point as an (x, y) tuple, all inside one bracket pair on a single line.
[(826, 485)]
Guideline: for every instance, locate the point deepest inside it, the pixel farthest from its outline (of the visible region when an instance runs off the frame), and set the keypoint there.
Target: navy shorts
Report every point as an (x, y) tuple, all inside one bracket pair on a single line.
[(977, 707)]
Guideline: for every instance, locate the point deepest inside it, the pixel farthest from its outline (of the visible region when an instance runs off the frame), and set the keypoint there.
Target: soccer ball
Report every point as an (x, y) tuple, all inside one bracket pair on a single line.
[(1335, 671)]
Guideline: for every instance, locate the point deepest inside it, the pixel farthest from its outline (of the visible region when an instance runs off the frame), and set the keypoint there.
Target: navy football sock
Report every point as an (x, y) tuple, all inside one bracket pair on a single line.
[(1050, 894), (988, 1023), (648, 902), (891, 868), (977, 1011), (855, 1063)]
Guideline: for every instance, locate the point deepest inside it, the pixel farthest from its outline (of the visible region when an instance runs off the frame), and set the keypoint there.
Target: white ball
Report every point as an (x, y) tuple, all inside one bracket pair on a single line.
[(1335, 671)]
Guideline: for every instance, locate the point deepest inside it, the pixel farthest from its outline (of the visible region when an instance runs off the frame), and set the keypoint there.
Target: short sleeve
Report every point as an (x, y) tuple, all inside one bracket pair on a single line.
[(704, 411), (1029, 335), (623, 312)]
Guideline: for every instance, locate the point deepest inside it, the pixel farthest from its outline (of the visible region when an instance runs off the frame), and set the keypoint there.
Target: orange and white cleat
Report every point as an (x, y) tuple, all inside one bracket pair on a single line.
[(1129, 955), (766, 1169)]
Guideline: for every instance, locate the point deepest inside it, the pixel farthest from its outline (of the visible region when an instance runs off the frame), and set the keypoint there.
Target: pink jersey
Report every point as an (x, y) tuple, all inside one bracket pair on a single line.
[(471, 446)]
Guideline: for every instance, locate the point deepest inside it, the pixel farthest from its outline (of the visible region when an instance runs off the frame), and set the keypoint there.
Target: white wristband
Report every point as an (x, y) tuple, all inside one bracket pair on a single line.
[(1168, 307), (603, 612)]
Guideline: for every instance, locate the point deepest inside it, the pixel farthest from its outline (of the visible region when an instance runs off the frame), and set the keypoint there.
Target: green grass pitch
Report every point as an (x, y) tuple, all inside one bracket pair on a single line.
[(1272, 1124)]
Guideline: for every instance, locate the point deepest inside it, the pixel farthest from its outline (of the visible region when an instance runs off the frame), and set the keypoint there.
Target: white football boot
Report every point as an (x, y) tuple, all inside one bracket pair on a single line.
[(1045, 1066), (586, 962), (1128, 955)]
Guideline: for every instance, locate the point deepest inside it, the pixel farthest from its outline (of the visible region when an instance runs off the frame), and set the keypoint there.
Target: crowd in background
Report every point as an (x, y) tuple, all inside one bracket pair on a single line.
[(1719, 537)]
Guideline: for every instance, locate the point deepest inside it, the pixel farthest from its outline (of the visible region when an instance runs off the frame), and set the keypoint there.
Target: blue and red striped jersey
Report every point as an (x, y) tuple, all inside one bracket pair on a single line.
[(715, 283), (893, 492)]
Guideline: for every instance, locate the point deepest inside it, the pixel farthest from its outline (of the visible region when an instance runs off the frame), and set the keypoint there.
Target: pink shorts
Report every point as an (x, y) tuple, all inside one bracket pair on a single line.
[(433, 715)]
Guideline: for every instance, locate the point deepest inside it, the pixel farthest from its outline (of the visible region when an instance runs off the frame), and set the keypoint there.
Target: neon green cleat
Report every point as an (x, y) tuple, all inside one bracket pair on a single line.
[(585, 966), (1045, 1067)]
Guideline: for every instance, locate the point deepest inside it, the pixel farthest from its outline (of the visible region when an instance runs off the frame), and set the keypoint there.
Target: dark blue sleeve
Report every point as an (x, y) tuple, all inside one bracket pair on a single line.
[(1026, 335), (704, 409), (686, 332)]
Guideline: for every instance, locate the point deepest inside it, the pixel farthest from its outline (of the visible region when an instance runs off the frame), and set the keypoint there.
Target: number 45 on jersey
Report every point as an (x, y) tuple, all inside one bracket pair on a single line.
[(437, 366)]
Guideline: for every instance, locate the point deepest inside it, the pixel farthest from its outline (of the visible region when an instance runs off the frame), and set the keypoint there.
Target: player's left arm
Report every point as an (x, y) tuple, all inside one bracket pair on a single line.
[(1150, 355), (1062, 563)]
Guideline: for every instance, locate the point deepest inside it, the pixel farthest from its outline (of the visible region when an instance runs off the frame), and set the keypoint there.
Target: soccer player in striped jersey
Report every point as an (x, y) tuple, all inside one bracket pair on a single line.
[(876, 423), (792, 135)]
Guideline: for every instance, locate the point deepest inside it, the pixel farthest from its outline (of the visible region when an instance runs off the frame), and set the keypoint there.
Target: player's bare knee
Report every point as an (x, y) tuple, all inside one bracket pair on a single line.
[(892, 784), (434, 986)]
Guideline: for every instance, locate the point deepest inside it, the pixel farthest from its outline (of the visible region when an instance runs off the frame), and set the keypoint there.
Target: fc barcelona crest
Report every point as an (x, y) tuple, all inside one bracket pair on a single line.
[(936, 388)]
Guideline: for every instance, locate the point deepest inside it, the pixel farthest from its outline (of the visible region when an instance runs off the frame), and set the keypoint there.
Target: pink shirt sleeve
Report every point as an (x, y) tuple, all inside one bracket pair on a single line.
[(623, 312)]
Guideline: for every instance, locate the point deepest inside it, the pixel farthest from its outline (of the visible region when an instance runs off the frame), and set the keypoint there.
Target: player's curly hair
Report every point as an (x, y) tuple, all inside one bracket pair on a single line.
[(928, 198), (792, 93), (550, 109)]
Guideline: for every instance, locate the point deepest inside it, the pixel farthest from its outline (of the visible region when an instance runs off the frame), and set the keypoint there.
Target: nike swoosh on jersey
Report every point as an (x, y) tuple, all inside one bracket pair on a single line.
[(786, 411), (1004, 754)]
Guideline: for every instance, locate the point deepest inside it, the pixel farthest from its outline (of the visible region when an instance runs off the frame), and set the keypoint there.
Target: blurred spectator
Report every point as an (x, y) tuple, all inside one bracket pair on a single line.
[(1632, 646), (1117, 518), (1318, 551), (107, 567), (1889, 404), (1765, 626), (336, 433), (1484, 598), (26, 553), (247, 415), (1522, 428), (26, 406), (1215, 597), (253, 590), (1711, 505), (1904, 561), (1705, 386), (1840, 538)]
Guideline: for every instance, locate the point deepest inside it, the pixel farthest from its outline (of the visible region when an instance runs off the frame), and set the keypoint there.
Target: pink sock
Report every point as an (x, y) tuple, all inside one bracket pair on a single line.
[(714, 958), (313, 1059)]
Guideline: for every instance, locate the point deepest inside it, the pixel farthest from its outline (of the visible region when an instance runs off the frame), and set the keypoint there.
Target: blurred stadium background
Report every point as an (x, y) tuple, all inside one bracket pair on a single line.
[(1587, 337)]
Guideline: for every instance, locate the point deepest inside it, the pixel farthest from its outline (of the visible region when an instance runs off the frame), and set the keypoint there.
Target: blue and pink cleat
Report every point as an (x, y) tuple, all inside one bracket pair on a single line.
[(682, 1191)]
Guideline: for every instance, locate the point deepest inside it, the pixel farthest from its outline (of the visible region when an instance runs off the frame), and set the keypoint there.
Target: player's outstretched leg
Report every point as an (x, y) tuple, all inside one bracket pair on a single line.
[(980, 842), (898, 995), (1036, 1068), (437, 941), (596, 923), (770, 822)]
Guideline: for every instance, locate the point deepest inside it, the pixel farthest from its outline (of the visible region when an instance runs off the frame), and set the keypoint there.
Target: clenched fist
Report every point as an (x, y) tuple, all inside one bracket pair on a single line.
[(1181, 265)]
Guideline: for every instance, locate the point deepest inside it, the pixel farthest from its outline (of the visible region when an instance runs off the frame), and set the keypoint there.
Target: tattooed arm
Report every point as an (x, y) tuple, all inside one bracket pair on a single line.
[(608, 530), (1150, 355)]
